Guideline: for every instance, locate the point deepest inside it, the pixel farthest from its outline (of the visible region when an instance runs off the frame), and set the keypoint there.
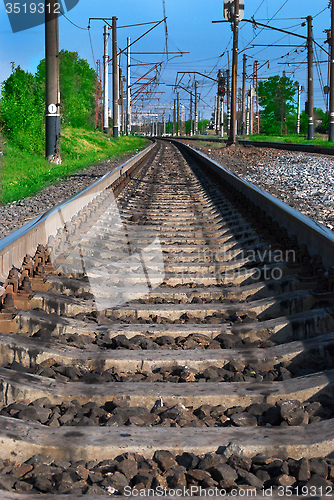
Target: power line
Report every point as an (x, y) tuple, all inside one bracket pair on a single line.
[(69, 20), (91, 46), (286, 1)]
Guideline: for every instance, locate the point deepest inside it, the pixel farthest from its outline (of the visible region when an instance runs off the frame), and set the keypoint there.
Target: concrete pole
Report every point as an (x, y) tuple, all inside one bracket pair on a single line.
[(251, 110), (52, 92), (178, 114), (243, 110), (218, 115), (174, 118), (196, 112), (228, 104), (115, 80), (232, 136), (310, 134), (248, 112), (124, 106), (128, 89), (191, 113), (105, 81), (257, 96), (215, 115), (253, 97), (120, 99), (331, 85), (298, 110), (221, 116)]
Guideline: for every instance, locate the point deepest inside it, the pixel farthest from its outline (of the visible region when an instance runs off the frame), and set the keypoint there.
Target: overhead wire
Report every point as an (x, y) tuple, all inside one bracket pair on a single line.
[(91, 46), (286, 1), (320, 77), (69, 20)]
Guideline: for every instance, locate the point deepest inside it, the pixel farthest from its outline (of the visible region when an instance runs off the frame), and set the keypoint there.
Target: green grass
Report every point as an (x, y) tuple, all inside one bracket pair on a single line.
[(293, 138), (23, 174), (297, 139)]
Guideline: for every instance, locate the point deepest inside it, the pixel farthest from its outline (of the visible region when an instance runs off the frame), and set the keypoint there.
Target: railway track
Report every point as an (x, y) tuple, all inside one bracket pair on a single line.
[(176, 336)]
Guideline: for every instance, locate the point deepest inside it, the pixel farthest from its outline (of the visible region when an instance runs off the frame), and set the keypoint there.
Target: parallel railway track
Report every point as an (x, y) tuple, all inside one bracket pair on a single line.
[(185, 330)]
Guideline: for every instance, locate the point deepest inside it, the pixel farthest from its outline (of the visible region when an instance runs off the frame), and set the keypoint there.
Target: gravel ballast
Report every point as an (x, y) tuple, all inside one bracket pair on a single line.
[(233, 371), (305, 181), (15, 215), (118, 412), (225, 474)]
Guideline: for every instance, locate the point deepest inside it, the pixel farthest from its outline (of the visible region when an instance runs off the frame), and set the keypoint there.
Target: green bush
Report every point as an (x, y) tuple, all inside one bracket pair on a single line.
[(22, 105), (77, 89), (22, 111)]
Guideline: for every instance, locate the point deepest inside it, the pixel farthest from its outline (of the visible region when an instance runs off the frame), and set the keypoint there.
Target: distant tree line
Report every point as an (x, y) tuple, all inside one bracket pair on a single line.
[(278, 109), (202, 126), (22, 103)]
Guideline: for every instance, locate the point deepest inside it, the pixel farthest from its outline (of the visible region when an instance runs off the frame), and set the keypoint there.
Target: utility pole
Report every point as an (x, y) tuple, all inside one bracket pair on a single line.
[(298, 110), (183, 120), (331, 85), (128, 89), (105, 81), (228, 102), (120, 99), (257, 96), (328, 33), (248, 112), (174, 118), (52, 92), (215, 118), (178, 113), (232, 136), (221, 127), (254, 96), (191, 113), (124, 105), (251, 110), (243, 111), (310, 77), (196, 112), (217, 102), (115, 80)]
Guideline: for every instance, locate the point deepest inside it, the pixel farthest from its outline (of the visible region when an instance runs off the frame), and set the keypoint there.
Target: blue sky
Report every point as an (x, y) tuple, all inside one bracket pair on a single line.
[(189, 29)]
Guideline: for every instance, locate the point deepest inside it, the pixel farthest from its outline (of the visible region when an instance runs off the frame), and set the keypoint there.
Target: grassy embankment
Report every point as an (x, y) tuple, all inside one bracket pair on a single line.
[(297, 139), (24, 174), (318, 141)]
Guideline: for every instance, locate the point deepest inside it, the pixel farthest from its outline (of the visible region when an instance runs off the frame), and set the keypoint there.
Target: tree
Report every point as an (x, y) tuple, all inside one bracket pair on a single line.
[(22, 110), (276, 98), (322, 120), (203, 125), (77, 89)]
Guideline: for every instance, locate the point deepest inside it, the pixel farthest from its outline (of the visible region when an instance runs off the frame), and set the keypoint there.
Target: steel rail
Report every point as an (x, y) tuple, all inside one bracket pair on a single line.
[(319, 239), (24, 240)]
